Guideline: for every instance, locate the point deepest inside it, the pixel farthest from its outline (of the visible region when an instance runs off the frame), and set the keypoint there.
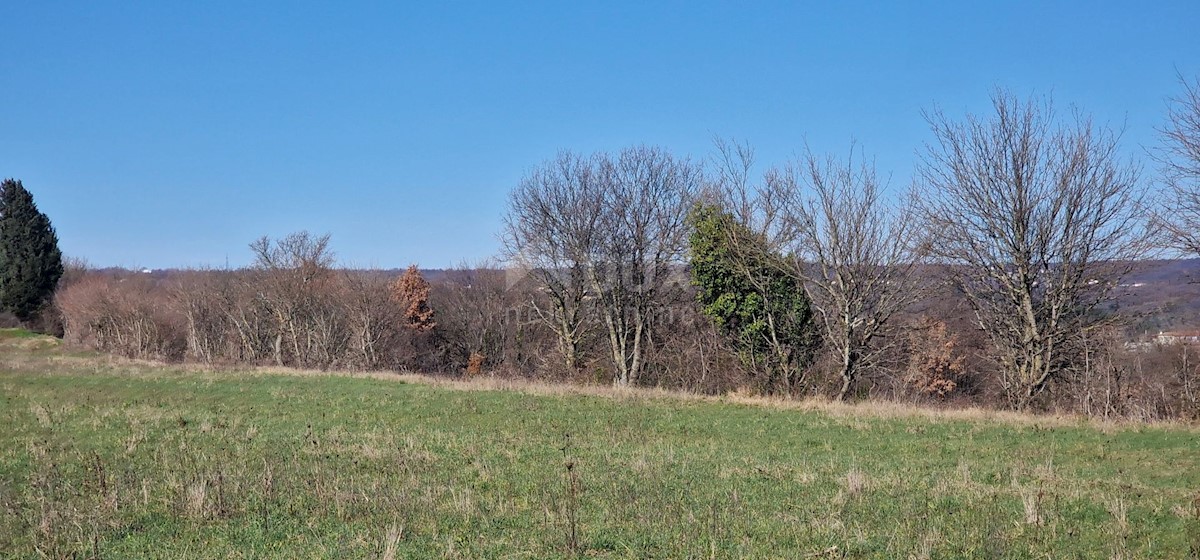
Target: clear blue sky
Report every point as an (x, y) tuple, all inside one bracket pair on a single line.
[(166, 134)]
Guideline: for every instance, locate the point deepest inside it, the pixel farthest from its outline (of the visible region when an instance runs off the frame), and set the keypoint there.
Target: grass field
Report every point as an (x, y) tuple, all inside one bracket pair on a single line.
[(109, 459)]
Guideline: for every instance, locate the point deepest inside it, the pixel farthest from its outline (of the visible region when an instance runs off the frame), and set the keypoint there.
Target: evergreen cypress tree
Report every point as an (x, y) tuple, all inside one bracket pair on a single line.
[(30, 262)]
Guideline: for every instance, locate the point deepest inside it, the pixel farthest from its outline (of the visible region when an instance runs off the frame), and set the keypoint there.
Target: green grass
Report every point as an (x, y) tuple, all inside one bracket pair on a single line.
[(17, 333), (132, 461)]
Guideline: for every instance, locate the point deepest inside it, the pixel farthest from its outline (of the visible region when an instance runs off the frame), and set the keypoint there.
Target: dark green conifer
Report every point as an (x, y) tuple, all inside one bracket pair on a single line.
[(30, 261)]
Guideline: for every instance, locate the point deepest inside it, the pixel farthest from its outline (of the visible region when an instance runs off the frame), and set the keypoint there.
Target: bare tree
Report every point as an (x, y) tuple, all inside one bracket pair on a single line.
[(248, 310), (551, 233), (638, 266), (294, 278), (855, 252), (1035, 220), (1180, 156), (202, 296), (603, 234), (479, 316), (371, 313)]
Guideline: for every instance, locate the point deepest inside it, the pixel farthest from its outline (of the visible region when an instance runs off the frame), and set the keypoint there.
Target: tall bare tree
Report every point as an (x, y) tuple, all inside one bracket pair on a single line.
[(638, 268), (1180, 157), (855, 251), (1036, 219), (604, 234), (551, 233)]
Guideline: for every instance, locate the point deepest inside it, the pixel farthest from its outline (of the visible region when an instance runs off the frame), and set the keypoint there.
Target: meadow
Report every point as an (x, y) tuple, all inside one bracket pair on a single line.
[(109, 458)]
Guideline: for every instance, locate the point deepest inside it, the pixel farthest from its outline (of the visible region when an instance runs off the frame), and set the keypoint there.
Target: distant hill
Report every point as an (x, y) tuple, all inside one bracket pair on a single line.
[(1162, 295)]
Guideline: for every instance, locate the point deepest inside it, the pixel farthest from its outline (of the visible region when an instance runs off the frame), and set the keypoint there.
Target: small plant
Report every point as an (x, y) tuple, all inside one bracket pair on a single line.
[(1033, 507), (1194, 529), (571, 503), (935, 369), (856, 481), (267, 483), (475, 364), (394, 535)]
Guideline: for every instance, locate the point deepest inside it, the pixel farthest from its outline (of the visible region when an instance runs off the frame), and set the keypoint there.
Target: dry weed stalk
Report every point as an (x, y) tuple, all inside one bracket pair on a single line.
[(394, 534)]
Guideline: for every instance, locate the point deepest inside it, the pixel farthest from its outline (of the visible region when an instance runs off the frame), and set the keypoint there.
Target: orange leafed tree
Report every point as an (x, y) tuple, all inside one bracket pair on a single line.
[(935, 366), (411, 291)]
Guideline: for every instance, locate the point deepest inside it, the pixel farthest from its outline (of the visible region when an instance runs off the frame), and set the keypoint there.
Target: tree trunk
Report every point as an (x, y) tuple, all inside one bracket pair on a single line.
[(849, 362)]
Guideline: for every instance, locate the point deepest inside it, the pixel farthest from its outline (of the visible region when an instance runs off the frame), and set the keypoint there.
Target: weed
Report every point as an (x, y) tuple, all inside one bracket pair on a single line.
[(571, 501), (856, 481)]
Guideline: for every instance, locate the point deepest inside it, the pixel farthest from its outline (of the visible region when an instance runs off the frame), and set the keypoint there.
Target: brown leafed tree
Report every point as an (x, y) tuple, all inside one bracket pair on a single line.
[(936, 366), (1035, 220), (411, 291)]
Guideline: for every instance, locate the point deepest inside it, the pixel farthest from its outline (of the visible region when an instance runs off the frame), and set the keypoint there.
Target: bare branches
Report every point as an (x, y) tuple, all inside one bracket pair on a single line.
[(647, 195), (1180, 158), (828, 223), (1182, 133), (606, 228), (294, 284), (552, 232), (1036, 219), (855, 250)]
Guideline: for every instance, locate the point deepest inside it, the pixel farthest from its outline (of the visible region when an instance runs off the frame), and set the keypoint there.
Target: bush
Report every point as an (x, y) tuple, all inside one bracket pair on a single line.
[(935, 367)]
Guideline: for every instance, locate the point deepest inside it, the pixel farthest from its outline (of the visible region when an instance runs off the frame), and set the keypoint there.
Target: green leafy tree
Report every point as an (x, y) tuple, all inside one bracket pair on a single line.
[(753, 301), (30, 262)]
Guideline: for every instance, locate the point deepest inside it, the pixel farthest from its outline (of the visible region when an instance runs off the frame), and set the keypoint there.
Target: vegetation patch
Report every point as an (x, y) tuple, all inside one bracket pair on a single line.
[(117, 460), (17, 333)]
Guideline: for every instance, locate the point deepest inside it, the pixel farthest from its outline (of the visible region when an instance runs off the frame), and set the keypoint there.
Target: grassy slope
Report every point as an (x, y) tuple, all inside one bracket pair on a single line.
[(132, 461)]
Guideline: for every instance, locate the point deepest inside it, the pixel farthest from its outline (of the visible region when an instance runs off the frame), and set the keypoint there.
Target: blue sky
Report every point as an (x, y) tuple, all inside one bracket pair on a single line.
[(166, 134)]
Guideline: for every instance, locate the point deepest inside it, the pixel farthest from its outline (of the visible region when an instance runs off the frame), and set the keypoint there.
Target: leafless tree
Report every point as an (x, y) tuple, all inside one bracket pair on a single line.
[(249, 312), (204, 298), (1035, 220), (603, 233), (551, 233), (637, 269), (479, 315), (1180, 156), (294, 278), (371, 314), (123, 313), (855, 251)]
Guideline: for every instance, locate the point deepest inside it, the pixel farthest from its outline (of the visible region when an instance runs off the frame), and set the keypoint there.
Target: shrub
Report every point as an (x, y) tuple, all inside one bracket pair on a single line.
[(935, 367)]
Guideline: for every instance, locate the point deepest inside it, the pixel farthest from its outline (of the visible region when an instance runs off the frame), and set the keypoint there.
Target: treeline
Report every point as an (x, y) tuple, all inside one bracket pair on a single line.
[(292, 308), (483, 322), (990, 282)]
